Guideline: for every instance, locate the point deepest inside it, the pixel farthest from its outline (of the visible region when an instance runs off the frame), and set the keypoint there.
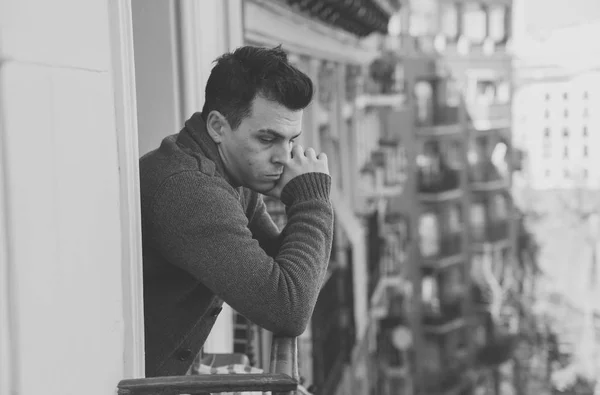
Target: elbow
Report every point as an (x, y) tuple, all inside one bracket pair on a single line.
[(290, 330), (293, 325)]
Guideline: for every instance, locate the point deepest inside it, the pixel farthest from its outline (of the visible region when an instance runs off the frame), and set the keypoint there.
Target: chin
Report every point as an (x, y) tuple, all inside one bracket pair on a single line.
[(263, 187)]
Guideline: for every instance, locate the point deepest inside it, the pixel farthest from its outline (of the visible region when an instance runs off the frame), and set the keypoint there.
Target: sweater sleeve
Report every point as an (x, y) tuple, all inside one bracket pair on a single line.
[(200, 226), (264, 229)]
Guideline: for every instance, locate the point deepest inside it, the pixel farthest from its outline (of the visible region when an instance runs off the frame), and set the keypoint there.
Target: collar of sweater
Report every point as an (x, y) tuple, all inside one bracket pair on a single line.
[(196, 137)]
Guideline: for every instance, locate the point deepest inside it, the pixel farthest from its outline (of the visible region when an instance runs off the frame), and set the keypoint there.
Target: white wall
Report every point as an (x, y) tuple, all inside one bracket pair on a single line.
[(62, 195)]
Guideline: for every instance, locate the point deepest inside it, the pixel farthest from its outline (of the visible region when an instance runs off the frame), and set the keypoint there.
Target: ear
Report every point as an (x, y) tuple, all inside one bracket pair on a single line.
[(216, 125)]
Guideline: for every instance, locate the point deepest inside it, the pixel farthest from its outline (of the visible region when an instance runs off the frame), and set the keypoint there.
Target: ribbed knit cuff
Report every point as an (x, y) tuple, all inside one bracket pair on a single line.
[(306, 187)]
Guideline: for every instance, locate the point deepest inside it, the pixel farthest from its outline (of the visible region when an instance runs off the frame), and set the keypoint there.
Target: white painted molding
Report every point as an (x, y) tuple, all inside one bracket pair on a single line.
[(221, 30), (269, 23), (194, 71), (234, 17), (8, 363), (123, 80)]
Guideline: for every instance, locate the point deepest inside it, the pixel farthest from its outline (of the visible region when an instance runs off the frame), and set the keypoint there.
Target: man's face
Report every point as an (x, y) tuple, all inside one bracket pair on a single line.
[(256, 152)]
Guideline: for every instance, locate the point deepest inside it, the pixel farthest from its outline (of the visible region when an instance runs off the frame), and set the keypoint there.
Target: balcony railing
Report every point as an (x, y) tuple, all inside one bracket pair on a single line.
[(491, 233), (282, 380), (497, 231), (436, 183), (499, 350), (449, 252), (490, 112), (484, 173), (447, 313), (446, 115), (333, 330), (451, 377), (442, 121), (451, 245), (489, 116)]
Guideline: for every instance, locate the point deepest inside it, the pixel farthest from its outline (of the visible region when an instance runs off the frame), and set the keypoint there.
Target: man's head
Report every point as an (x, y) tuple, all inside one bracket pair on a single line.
[(253, 111)]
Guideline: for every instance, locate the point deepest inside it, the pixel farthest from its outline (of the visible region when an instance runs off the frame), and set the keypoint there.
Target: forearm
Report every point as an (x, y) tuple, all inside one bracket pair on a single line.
[(215, 245)]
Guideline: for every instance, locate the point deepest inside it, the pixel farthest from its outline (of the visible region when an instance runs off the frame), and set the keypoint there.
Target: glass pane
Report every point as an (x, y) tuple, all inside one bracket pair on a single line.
[(424, 99), (474, 23), (450, 21), (454, 219), (429, 234), (497, 24), (423, 17)]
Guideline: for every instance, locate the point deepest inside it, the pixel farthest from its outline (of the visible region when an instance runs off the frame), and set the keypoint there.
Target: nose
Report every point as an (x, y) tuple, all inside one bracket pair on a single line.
[(282, 154)]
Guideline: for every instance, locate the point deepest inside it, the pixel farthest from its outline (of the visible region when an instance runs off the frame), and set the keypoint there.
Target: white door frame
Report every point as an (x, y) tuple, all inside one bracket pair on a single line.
[(123, 80)]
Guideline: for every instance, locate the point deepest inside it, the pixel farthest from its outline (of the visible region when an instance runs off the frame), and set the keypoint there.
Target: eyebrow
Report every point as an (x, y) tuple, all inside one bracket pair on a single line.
[(276, 134)]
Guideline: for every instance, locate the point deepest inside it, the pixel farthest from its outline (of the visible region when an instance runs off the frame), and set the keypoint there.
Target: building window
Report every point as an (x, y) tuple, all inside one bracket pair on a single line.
[(585, 173), (547, 132), (565, 152), (566, 113), (546, 113), (566, 96), (503, 91), (566, 173), (424, 98), (474, 23), (547, 173), (585, 95), (497, 21), (585, 151), (450, 21), (565, 132), (586, 113), (585, 131), (547, 97), (547, 149)]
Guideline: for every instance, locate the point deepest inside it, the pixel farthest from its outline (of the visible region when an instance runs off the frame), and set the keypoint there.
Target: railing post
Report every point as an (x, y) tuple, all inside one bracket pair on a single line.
[(284, 359)]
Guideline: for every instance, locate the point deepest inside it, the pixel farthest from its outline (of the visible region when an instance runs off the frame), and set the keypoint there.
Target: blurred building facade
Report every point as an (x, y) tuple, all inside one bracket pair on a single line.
[(426, 282), (556, 92)]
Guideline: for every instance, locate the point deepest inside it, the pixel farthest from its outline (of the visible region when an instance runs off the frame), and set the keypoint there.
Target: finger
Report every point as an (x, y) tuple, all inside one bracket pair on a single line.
[(310, 153), (322, 156), (297, 151)]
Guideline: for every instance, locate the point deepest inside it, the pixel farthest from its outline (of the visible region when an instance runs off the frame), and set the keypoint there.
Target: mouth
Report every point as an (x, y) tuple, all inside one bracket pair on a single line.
[(274, 176)]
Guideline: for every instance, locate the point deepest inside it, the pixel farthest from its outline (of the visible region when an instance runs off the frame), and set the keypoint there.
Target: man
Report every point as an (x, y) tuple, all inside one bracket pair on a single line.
[(207, 237)]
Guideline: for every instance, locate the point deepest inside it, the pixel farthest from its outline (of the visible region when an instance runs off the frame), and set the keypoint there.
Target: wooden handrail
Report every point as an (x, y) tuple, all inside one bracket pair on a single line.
[(284, 360), (282, 379)]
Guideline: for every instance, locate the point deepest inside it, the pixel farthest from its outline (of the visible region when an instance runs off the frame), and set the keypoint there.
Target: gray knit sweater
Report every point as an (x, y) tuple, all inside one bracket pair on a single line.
[(206, 241)]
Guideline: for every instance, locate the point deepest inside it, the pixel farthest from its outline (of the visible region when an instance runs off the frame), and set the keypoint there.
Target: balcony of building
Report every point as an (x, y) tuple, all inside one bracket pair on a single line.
[(437, 106), (492, 115), (388, 266), (333, 329), (489, 159), (443, 296), (490, 219), (438, 170), (488, 99), (395, 352), (445, 362), (441, 235), (476, 29), (494, 345)]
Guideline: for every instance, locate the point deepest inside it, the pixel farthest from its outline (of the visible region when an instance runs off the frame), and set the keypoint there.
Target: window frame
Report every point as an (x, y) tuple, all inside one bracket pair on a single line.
[(123, 80)]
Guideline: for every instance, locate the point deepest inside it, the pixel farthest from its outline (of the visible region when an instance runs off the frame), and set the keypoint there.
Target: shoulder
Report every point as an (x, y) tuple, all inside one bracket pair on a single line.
[(194, 186), (174, 169)]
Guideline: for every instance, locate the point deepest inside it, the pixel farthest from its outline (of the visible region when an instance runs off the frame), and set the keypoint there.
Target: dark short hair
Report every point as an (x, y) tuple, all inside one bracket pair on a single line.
[(238, 77)]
